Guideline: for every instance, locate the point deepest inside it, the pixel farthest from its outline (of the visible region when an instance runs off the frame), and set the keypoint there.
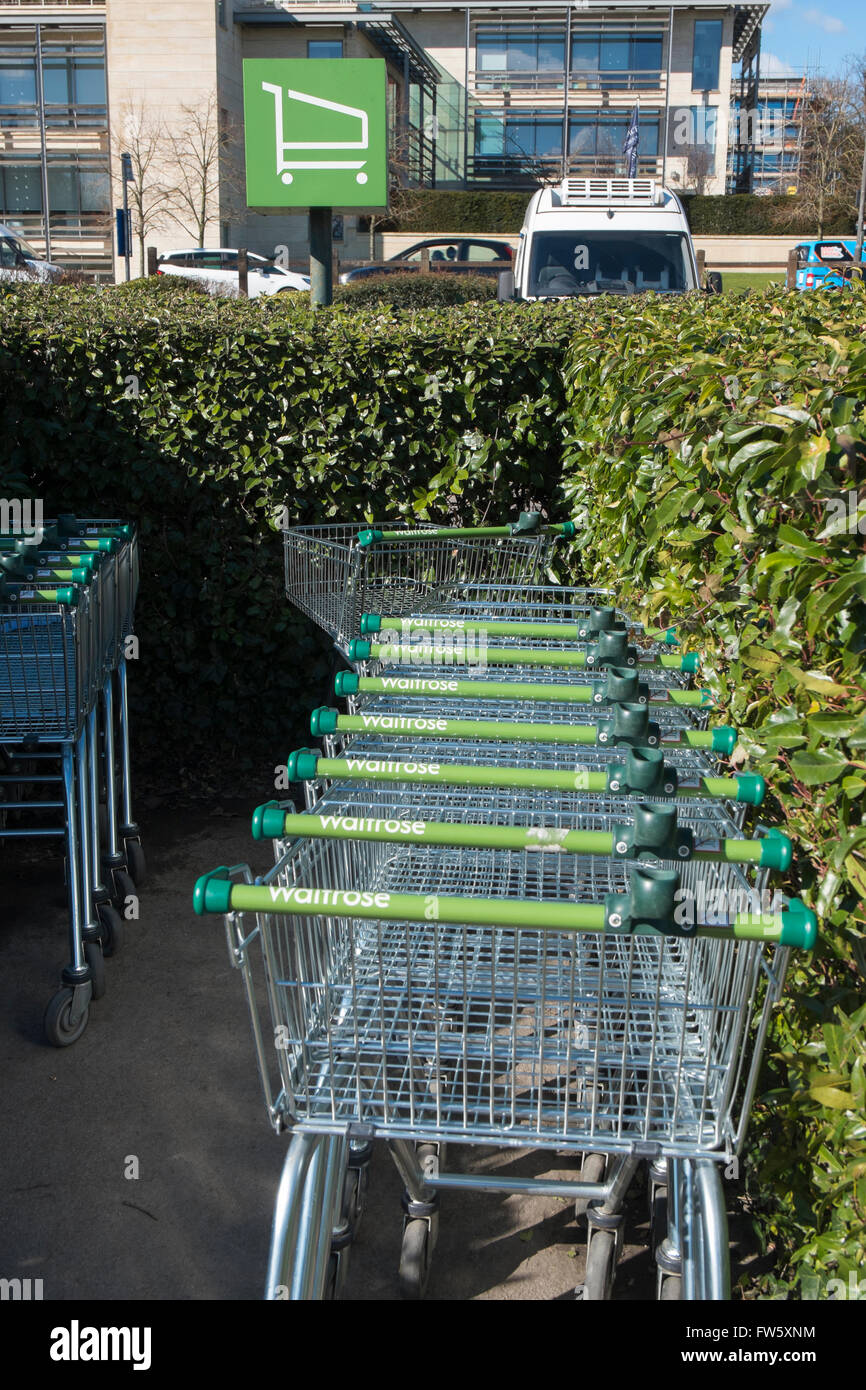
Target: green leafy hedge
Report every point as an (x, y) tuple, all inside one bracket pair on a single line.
[(416, 289), (731, 214), (202, 417), (715, 465)]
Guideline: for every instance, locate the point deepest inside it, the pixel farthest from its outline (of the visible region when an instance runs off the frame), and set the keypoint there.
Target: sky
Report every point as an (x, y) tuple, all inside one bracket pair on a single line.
[(802, 36)]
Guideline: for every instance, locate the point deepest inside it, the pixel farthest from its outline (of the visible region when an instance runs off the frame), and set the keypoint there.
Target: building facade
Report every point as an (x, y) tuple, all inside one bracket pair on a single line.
[(769, 144), (480, 96)]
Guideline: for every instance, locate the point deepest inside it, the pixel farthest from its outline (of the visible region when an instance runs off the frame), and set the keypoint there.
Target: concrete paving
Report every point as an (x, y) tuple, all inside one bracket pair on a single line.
[(140, 1163)]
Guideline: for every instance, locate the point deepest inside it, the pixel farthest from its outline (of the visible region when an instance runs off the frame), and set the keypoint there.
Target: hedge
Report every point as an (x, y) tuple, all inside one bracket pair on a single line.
[(731, 214), (202, 417), (715, 460), (416, 290)]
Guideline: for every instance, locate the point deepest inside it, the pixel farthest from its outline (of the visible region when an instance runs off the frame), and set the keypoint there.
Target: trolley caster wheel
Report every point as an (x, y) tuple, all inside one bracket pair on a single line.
[(123, 887), (56, 1023), (135, 862), (94, 958), (671, 1288), (592, 1170), (600, 1266), (355, 1197), (415, 1259), (110, 929)]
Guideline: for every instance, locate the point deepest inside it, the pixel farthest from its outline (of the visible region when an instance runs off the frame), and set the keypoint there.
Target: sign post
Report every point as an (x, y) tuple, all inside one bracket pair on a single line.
[(316, 137), (126, 172)]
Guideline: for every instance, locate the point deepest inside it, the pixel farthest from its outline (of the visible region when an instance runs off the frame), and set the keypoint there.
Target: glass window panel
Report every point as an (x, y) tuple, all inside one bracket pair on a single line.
[(490, 52), (17, 82), (95, 191), (611, 135), (584, 53), (551, 54), (581, 135), (614, 53), (20, 189), (548, 137), (89, 83), (705, 56), (473, 252), (522, 53), (62, 189), (647, 52), (324, 48), (55, 82), (520, 136), (489, 135), (8, 254), (649, 138)]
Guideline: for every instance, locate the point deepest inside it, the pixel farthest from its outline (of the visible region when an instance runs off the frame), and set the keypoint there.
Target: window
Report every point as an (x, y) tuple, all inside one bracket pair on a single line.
[(705, 55), (519, 57), (572, 263), (533, 134), (616, 59), (324, 48), (596, 139), (472, 251)]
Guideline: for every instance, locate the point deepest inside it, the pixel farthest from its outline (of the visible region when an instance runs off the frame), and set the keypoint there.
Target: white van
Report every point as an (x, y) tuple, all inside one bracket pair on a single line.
[(588, 236), (18, 260)]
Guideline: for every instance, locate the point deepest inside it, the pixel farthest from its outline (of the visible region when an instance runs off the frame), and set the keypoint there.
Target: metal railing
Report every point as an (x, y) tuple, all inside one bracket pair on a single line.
[(604, 79), (526, 171)]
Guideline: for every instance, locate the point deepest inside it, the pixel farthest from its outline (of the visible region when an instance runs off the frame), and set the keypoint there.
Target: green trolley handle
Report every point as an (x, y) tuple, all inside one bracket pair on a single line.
[(650, 908), (619, 685), (530, 524), (629, 724), (456, 654), (652, 833), (644, 772), (371, 623), (23, 595)]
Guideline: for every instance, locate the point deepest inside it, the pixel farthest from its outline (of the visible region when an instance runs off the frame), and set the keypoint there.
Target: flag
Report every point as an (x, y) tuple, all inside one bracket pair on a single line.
[(631, 142)]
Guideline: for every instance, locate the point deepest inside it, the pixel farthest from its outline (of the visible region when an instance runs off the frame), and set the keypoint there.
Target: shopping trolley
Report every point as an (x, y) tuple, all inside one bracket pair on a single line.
[(427, 992), (335, 573), (67, 594)]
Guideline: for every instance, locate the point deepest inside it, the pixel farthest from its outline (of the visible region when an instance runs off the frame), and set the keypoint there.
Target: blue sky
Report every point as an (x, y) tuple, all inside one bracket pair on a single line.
[(802, 34)]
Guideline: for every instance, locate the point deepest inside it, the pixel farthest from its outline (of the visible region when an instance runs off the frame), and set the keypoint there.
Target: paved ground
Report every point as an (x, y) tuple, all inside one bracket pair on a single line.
[(165, 1074)]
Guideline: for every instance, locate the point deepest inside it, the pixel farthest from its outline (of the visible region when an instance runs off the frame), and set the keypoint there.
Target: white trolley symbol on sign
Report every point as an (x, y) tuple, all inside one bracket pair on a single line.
[(285, 166)]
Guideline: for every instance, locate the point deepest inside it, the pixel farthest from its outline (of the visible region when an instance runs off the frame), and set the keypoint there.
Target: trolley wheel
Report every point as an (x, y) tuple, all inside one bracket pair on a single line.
[(600, 1266), (672, 1288), (93, 956), (415, 1259), (111, 928), (355, 1197), (123, 887), (58, 1029), (592, 1170), (135, 861)]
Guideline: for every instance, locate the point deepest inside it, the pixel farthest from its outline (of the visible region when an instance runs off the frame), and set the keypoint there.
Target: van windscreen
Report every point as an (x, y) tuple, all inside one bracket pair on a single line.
[(573, 262)]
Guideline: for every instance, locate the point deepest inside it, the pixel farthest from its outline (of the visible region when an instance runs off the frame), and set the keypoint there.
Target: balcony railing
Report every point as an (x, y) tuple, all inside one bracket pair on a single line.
[(77, 117), (527, 171), (548, 83)]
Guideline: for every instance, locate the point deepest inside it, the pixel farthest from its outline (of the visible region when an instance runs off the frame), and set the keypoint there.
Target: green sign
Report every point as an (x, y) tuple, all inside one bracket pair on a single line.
[(316, 132)]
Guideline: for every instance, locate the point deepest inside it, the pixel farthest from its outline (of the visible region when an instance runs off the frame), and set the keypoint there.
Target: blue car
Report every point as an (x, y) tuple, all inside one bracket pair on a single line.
[(828, 262)]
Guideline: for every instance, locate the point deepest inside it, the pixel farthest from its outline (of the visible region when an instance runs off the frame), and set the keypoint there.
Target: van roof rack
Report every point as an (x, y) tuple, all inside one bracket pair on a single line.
[(573, 191)]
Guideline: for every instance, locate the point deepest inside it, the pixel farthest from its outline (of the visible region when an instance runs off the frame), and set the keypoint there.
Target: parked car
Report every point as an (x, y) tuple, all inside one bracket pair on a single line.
[(828, 263), (19, 261), (219, 269), (445, 254)]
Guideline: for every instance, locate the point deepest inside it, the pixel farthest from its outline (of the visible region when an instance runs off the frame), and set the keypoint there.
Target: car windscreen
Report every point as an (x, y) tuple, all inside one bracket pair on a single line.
[(575, 262)]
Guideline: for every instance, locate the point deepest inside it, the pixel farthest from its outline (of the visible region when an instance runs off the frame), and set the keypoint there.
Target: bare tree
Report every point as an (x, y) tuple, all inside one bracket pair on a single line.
[(700, 168), (193, 170), (831, 150), (141, 135), (403, 190)]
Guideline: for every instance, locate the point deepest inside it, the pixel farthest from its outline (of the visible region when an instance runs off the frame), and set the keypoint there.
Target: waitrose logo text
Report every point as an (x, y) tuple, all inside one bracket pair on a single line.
[(77, 1343)]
